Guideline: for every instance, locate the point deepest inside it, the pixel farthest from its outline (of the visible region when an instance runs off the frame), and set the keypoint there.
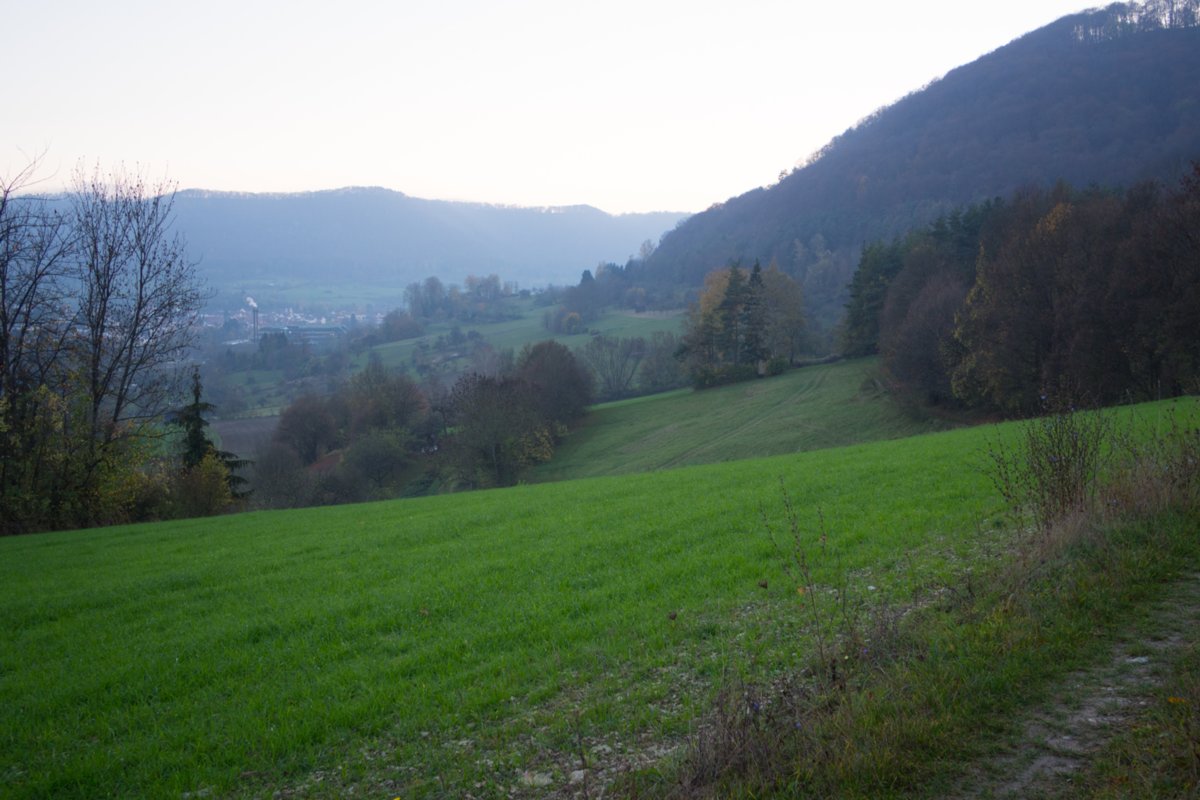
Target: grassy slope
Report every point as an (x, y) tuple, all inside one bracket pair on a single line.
[(806, 409), (167, 658), (364, 642)]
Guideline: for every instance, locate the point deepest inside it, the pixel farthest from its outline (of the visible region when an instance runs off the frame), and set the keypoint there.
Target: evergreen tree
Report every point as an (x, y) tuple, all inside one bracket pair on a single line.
[(732, 311), (754, 319), (196, 444)]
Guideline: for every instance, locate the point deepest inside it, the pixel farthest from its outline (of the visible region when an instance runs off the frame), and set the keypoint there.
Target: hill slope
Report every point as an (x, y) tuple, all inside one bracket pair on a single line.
[(440, 635), (424, 647), (1109, 97), (805, 409)]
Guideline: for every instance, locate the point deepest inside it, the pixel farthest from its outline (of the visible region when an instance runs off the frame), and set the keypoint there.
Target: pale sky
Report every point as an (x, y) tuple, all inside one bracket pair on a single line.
[(626, 105)]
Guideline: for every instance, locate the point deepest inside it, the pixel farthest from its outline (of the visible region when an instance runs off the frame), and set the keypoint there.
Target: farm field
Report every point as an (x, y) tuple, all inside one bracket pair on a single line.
[(805, 409), (312, 296), (449, 645)]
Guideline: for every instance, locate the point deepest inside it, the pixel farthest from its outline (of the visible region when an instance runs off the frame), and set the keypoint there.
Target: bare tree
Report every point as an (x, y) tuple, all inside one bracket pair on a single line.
[(35, 258), (614, 362), (139, 299), (35, 247)]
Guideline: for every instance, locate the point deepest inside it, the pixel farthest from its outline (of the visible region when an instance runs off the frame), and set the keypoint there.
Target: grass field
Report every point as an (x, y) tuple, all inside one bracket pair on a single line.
[(267, 392), (451, 645), (805, 409)]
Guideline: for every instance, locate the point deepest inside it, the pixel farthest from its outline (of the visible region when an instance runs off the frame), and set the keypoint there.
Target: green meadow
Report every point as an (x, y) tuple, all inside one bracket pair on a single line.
[(452, 645), (804, 409), (267, 392)]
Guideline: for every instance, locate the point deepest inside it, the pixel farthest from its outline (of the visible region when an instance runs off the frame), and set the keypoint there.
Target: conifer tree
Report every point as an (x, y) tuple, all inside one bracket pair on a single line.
[(732, 312), (754, 319), (196, 444)]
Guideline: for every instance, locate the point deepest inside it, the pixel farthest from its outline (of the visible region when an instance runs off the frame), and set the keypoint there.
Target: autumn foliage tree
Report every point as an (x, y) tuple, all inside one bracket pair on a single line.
[(504, 423), (562, 386)]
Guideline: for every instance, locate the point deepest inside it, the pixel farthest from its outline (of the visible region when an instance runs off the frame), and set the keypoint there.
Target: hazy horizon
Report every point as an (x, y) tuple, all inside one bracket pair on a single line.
[(626, 107)]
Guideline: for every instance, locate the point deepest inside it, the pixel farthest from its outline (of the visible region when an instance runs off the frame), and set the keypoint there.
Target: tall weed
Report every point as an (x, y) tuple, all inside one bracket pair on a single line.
[(1158, 469)]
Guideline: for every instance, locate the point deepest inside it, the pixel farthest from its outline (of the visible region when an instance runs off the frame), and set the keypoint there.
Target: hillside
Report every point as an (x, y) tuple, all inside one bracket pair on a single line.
[(377, 237), (483, 644), (805, 409), (1108, 97), (418, 637)]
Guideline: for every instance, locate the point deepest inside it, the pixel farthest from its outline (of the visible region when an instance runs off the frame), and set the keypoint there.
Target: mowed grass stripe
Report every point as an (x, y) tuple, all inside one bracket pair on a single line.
[(245, 651)]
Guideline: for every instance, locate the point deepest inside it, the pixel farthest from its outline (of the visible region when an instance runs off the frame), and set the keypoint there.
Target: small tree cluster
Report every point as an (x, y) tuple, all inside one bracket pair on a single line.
[(98, 302), (504, 423), (744, 325), (360, 443), (479, 299)]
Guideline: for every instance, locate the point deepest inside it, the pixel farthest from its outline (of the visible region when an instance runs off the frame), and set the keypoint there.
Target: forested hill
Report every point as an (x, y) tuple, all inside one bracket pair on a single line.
[(373, 236), (1108, 97)]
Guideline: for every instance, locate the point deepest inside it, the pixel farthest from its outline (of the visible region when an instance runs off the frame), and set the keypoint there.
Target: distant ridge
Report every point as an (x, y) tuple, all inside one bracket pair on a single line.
[(1106, 96), (377, 236)]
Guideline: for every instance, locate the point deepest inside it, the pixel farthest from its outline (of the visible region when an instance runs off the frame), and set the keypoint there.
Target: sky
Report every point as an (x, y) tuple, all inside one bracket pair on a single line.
[(626, 105)]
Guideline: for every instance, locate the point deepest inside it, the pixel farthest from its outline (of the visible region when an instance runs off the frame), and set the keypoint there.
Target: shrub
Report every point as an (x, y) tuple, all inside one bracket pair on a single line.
[(777, 366), (1055, 469), (709, 377)]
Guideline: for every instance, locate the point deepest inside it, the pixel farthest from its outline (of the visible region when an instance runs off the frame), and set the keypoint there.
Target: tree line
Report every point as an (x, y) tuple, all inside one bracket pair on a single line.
[(1051, 293), (479, 299)]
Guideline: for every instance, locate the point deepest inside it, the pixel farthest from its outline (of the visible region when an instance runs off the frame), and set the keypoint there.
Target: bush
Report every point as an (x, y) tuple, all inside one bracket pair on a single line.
[(709, 377), (777, 366), (1055, 469)]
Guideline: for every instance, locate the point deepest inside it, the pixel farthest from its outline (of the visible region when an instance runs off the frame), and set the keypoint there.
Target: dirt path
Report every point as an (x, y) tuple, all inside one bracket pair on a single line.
[(1058, 741)]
